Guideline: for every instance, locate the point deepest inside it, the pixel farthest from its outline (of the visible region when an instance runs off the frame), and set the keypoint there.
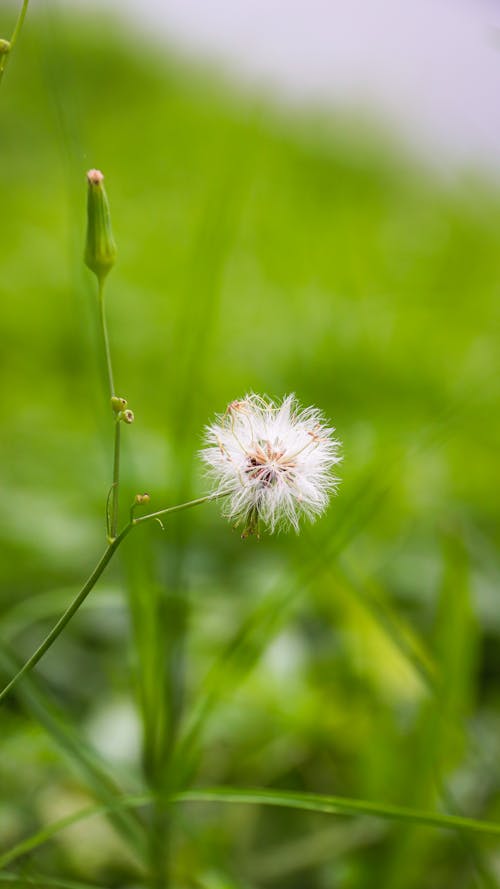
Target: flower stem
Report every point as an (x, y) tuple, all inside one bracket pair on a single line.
[(116, 482), (13, 40), (155, 515), (68, 614), (91, 582), (107, 350)]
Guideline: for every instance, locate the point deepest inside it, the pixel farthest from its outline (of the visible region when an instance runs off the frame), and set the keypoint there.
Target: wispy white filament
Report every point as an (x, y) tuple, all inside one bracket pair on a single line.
[(275, 459)]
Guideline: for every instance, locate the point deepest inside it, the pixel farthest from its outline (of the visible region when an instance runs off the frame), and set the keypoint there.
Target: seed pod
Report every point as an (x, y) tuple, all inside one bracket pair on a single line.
[(100, 247), (127, 416)]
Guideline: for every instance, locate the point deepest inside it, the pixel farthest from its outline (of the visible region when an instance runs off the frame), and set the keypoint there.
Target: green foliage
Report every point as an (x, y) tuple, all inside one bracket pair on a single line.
[(275, 252)]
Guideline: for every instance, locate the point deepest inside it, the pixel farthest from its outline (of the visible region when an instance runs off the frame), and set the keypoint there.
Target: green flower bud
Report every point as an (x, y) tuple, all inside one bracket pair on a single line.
[(118, 404), (4, 47), (100, 247), (141, 499)]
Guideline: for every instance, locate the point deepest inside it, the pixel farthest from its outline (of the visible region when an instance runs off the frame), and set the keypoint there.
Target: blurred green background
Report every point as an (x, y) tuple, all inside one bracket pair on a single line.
[(275, 252)]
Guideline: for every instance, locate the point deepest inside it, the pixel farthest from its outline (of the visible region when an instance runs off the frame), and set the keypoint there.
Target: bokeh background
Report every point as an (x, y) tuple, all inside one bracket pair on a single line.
[(274, 241)]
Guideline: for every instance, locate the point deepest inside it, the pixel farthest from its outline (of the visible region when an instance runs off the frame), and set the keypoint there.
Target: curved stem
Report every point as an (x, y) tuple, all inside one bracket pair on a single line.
[(15, 35), (19, 24), (91, 582), (155, 515), (68, 614), (107, 350)]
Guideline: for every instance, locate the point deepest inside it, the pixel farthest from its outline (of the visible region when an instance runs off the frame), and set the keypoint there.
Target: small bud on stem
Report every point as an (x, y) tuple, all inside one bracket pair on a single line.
[(118, 404), (127, 416), (100, 247), (142, 499), (4, 46)]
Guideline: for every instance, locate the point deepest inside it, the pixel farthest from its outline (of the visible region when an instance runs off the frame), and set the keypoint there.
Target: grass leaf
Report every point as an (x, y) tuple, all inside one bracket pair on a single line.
[(310, 802)]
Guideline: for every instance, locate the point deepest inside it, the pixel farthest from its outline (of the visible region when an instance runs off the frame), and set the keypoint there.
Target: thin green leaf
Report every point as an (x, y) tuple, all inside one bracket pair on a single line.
[(311, 802), (337, 805), (35, 880), (79, 752), (250, 641)]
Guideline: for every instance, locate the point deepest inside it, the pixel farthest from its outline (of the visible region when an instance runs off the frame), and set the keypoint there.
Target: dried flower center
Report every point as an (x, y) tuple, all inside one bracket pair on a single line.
[(266, 463)]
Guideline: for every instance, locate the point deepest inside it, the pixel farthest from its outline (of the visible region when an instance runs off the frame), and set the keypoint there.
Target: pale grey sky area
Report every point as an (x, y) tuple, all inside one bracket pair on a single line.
[(429, 71)]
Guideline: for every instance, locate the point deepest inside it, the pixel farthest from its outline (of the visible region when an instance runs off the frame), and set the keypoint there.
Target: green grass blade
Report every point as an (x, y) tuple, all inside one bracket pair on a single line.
[(337, 805), (250, 640), (310, 802), (42, 836), (34, 880), (80, 754)]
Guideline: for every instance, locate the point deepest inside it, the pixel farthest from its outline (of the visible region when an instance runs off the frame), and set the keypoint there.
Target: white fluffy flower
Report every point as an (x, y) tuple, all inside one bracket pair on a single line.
[(273, 461)]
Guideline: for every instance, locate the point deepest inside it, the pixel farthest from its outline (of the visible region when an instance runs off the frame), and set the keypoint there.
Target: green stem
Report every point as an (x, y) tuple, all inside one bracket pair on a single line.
[(115, 489), (68, 614), (89, 585), (19, 24), (116, 481), (15, 35), (155, 515), (107, 350)]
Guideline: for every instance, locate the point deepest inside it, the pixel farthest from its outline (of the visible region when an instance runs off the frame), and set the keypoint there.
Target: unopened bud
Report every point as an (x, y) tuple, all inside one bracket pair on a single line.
[(141, 499), (127, 416), (100, 247), (4, 46), (118, 404)]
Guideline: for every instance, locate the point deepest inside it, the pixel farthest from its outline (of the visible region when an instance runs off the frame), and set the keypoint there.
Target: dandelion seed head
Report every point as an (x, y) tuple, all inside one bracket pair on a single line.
[(273, 460)]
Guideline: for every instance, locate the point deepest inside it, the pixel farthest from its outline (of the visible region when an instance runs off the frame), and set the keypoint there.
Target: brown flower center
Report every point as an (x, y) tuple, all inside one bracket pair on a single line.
[(266, 463)]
